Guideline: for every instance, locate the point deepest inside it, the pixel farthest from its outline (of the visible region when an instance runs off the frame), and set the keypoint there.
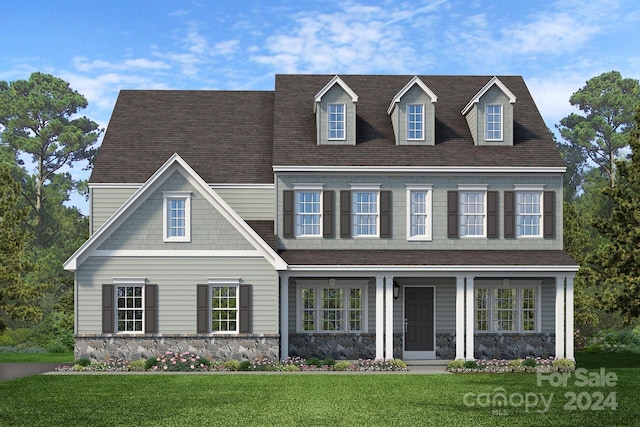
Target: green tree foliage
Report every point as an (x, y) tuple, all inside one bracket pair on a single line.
[(620, 257), (608, 102), (18, 300)]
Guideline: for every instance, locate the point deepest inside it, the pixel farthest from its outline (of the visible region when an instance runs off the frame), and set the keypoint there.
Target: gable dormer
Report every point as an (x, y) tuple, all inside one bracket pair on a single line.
[(413, 114), (335, 110), (489, 114)]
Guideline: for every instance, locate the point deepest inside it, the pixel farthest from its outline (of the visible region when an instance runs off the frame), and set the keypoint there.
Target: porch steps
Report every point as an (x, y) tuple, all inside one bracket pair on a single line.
[(427, 363)]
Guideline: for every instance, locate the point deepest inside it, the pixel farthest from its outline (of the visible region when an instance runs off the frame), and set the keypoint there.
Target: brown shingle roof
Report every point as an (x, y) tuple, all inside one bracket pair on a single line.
[(295, 130), (225, 136)]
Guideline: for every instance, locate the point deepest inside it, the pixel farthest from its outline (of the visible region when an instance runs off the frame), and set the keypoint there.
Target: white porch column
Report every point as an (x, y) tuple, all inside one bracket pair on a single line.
[(379, 317), (284, 315), (569, 318), (560, 351), (459, 317), (469, 354), (389, 317)]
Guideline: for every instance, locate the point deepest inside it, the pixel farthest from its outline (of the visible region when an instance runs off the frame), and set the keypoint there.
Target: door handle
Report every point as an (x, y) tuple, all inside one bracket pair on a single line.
[(406, 325)]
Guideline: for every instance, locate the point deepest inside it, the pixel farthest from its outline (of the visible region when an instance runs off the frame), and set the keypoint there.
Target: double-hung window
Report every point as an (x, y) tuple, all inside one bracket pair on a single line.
[(529, 214), (129, 308), (415, 121), (473, 213), (308, 210), (506, 309), (336, 119), (177, 216), (493, 113), (365, 211), (224, 309), (419, 212), (331, 308)]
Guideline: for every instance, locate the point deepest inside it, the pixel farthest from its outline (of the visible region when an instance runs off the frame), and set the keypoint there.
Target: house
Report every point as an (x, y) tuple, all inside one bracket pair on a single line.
[(354, 216)]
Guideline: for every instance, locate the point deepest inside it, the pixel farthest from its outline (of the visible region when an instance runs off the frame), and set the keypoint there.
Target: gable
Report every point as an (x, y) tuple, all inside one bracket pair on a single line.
[(335, 109), (415, 95)]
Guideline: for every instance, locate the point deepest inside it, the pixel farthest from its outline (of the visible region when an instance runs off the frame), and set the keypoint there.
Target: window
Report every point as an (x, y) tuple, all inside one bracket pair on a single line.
[(177, 216), (494, 122), (472, 214), (528, 214), (224, 309), (415, 121), (308, 213), (506, 309), (331, 308), (129, 306), (336, 121), (419, 212), (365, 213)]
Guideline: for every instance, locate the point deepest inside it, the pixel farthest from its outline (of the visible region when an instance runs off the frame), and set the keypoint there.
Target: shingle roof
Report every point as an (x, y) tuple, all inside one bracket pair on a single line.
[(294, 142), (225, 136)]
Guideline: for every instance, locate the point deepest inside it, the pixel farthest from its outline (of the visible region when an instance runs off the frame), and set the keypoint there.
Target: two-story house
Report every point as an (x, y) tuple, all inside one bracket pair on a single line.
[(355, 216)]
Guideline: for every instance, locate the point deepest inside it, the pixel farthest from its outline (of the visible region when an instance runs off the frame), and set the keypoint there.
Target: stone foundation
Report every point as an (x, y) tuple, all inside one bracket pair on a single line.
[(143, 347), (500, 346), (334, 346), (445, 346)]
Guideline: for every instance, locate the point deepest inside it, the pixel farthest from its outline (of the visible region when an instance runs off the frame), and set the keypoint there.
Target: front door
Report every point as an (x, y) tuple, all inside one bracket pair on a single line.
[(419, 323)]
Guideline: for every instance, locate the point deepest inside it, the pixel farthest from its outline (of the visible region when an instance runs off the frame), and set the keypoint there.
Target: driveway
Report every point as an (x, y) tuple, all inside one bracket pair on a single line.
[(11, 371)]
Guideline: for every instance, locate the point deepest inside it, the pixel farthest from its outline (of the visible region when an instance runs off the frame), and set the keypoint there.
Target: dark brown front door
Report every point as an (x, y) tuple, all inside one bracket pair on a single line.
[(419, 319)]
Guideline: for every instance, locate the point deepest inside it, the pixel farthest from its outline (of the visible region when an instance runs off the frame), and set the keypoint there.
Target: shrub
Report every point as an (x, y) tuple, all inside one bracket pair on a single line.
[(289, 368), (456, 364), (15, 337), (245, 365), (328, 362), (232, 365), (399, 364), (564, 365), (314, 361), (151, 362), (78, 367), (529, 362), (515, 363), (470, 364), (83, 361), (343, 365), (137, 365), (57, 347)]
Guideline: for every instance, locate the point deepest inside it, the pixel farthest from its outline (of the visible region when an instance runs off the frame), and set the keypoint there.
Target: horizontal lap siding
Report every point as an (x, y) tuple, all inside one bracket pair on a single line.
[(177, 279), (548, 308), (105, 202), (251, 204)]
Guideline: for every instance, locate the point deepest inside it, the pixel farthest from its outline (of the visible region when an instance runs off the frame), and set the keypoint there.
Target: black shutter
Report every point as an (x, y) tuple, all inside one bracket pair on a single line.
[(492, 214), (549, 218), (345, 214), (287, 214), (452, 214), (244, 309), (151, 309), (202, 309), (509, 214), (328, 221), (108, 310), (385, 214)]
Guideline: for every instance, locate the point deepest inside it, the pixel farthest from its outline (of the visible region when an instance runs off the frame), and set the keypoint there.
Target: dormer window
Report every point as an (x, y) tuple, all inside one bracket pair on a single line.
[(413, 111), (415, 121), (493, 116), (336, 121)]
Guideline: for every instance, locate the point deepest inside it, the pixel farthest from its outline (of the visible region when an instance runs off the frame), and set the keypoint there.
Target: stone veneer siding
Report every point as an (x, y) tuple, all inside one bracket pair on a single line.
[(335, 346), (500, 346), (143, 347)]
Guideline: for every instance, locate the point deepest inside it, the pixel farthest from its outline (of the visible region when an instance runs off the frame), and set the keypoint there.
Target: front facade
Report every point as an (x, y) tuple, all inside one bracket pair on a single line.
[(350, 217)]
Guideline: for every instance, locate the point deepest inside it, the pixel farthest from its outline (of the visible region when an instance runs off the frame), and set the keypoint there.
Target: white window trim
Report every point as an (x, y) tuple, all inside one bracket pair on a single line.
[(473, 188), (429, 207), (365, 188), (224, 283), (128, 282), (518, 320), (176, 195), (344, 121), (486, 122), (530, 188), (318, 303), (422, 129), (307, 188)]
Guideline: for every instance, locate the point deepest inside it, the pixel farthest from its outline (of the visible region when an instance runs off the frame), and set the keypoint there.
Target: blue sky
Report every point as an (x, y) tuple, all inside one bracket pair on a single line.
[(103, 47)]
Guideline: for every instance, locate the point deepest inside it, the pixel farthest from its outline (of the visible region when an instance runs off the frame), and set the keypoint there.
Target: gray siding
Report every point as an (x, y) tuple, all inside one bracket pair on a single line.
[(177, 279), (445, 302), (144, 228), (336, 95), (441, 184), (494, 96), (105, 202), (472, 121), (415, 95), (548, 306)]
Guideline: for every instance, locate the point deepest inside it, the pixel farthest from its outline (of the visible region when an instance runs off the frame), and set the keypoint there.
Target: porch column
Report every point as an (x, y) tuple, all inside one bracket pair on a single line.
[(469, 354), (284, 315), (560, 351), (459, 317), (379, 317), (569, 318), (389, 317)]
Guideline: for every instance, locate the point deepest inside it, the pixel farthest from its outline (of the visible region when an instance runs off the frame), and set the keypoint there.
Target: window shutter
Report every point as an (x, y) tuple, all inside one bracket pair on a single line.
[(345, 214), (549, 217), (509, 214), (385, 214), (202, 309), (492, 214), (151, 309), (244, 309), (108, 309), (328, 221), (452, 214), (287, 214)]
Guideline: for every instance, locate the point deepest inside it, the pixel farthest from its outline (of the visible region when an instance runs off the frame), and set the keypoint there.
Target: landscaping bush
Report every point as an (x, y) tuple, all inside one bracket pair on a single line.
[(529, 362), (343, 365), (328, 362), (83, 361), (151, 362), (470, 364), (314, 361), (614, 341), (57, 347), (564, 365), (245, 365), (137, 365), (232, 365)]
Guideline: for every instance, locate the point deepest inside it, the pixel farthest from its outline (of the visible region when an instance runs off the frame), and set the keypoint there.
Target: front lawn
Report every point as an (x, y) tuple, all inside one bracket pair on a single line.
[(37, 357), (314, 399)]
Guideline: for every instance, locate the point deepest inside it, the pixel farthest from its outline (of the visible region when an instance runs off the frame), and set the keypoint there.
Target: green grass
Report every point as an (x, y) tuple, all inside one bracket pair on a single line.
[(36, 357), (300, 399), (607, 360)]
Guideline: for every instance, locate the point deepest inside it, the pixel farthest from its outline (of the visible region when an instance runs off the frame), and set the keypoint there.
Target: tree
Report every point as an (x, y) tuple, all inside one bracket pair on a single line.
[(608, 102), (18, 300), (39, 118), (620, 257)]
